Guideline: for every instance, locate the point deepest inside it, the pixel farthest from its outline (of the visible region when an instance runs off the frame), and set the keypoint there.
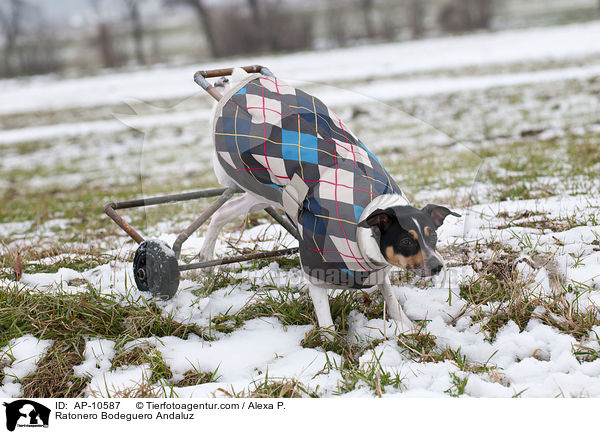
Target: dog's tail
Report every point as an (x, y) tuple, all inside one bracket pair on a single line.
[(224, 83), (238, 75)]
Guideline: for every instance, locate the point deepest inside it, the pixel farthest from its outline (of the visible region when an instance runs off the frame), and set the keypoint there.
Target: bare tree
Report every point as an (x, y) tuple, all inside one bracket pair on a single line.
[(453, 17), (137, 29), (366, 7), (39, 47), (463, 15), (30, 43), (481, 13), (262, 26), (203, 15), (12, 26), (104, 39), (255, 9), (416, 14), (337, 26)]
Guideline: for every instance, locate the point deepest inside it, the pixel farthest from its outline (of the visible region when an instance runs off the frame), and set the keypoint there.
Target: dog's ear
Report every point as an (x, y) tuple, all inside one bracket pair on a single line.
[(381, 219), (438, 213)]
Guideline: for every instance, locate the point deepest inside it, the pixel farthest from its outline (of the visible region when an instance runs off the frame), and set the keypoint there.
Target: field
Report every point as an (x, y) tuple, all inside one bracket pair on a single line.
[(504, 128)]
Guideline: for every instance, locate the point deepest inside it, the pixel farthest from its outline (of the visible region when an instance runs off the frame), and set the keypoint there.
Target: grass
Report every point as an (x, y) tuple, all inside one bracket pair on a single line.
[(142, 389), (51, 259), (211, 282), (63, 316), (69, 319), (498, 285), (194, 376), (144, 355), (459, 384), (371, 375), (588, 353), (294, 307), (289, 307), (272, 388), (54, 376)]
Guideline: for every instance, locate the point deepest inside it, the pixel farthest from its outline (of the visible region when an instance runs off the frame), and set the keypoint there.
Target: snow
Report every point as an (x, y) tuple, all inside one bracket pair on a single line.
[(22, 356), (382, 90), (48, 280), (98, 355), (561, 42), (12, 228), (386, 90), (119, 380)]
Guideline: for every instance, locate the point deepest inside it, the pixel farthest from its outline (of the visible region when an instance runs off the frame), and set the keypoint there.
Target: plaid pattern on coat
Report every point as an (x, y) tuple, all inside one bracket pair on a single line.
[(266, 133)]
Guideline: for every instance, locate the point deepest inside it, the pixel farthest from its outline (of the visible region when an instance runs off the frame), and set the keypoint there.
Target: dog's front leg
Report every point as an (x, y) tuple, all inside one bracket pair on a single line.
[(393, 307), (320, 301)]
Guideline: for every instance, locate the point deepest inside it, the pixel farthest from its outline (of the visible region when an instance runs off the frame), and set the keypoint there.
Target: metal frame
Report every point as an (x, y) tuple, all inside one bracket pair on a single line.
[(200, 77), (224, 195)]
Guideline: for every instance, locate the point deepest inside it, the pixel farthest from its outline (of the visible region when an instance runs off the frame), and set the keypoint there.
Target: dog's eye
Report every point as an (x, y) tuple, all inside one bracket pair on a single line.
[(406, 242)]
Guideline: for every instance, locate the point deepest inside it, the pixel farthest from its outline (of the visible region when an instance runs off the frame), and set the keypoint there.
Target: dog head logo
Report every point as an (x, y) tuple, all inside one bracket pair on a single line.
[(26, 413)]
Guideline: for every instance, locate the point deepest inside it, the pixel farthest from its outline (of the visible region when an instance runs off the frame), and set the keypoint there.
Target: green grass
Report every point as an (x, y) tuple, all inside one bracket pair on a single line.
[(64, 316), (459, 384), (144, 355), (371, 375), (293, 307), (272, 388), (69, 319), (211, 282)]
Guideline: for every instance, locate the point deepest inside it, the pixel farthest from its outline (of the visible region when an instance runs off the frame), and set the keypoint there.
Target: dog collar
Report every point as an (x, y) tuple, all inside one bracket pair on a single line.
[(367, 244)]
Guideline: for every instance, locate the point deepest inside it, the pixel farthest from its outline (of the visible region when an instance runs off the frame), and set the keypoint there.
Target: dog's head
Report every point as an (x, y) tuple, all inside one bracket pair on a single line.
[(407, 236)]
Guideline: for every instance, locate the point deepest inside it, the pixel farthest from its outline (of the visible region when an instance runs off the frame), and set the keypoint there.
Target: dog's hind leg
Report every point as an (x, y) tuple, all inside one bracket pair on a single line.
[(320, 301), (393, 307), (228, 212)]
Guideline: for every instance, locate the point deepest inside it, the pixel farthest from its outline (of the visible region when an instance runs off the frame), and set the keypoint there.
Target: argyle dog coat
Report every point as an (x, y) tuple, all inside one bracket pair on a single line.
[(287, 147)]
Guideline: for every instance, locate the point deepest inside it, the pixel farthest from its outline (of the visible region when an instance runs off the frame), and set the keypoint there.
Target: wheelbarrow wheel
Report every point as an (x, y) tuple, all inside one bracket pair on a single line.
[(155, 269)]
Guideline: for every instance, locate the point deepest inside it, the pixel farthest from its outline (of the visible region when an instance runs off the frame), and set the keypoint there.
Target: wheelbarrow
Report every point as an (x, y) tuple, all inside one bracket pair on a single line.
[(156, 266)]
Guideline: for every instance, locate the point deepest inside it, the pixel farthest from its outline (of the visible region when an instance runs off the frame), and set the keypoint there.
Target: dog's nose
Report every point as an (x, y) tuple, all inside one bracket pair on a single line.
[(434, 265)]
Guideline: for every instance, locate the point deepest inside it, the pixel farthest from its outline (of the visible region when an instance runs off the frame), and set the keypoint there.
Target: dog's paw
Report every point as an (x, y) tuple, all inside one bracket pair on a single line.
[(328, 333), (203, 256), (405, 326), (322, 335)]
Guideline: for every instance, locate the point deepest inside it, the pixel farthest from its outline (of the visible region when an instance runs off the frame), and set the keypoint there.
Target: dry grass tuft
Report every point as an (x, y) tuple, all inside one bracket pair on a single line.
[(269, 388), (194, 377), (54, 376)]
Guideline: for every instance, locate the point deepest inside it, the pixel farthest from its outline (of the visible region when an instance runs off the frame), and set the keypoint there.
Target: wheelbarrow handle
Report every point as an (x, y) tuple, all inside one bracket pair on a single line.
[(200, 77)]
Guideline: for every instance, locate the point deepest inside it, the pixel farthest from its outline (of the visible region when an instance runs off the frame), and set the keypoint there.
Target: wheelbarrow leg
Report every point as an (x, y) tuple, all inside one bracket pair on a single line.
[(187, 232), (283, 222), (155, 265)]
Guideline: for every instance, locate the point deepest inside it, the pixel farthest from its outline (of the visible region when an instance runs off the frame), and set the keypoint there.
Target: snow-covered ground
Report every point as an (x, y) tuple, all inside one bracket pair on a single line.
[(462, 108)]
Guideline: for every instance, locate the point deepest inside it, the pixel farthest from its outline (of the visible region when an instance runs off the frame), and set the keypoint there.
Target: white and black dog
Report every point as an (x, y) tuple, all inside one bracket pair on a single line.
[(286, 149)]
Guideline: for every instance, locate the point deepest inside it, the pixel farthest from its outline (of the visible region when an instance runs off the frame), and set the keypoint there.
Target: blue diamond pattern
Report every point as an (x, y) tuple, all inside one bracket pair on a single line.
[(308, 146)]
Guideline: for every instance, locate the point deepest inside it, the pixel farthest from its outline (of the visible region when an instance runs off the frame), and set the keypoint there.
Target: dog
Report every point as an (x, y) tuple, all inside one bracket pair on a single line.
[(286, 149)]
